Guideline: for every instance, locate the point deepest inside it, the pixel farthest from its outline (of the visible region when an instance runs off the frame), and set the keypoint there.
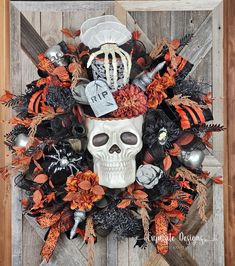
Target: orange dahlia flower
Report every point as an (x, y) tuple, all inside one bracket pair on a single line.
[(131, 102), (156, 89), (83, 190)]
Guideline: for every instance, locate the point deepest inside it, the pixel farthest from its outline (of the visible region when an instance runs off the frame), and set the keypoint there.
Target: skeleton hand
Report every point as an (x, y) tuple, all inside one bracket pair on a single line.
[(113, 49)]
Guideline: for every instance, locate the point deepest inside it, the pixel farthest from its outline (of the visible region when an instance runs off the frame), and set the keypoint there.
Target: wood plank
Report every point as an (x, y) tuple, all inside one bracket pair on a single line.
[(201, 248), (178, 255), (59, 6), (112, 255), (229, 185), (155, 25), (200, 44), (31, 42), (74, 19), (218, 86), (51, 26), (193, 222), (65, 248), (121, 250), (32, 243), (157, 5), (16, 81), (182, 23), (155, 260), (170, 5), (159, 25), (5, 192), (218, 139), (138, 256), (28, 68), (218, 224), (132, 26), (120, 13)]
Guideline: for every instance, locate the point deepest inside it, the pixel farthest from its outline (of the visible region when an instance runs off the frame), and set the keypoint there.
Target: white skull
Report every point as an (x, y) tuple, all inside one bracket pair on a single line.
[(56, 56), (114, 145)]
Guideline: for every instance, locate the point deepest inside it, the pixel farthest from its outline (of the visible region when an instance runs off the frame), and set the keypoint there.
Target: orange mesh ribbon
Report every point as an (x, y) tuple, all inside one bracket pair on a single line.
[(161, 228)]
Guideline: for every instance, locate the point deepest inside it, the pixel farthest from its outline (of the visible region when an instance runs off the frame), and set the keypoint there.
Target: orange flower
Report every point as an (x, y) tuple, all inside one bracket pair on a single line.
[(131, 101), (83, 190), (156, 89)]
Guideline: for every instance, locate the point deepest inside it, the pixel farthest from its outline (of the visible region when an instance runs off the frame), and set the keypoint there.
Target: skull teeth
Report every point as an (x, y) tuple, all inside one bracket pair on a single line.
[(115, 166)]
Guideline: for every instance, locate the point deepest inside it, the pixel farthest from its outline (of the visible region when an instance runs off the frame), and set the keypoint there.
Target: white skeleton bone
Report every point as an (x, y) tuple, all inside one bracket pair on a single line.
[(113, 49)]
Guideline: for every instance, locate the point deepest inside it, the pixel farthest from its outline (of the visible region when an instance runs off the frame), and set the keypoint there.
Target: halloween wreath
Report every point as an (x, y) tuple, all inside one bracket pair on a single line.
[(111, 138)]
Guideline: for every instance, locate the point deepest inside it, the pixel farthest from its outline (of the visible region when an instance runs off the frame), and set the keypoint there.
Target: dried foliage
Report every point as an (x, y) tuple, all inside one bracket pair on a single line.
[(145, 221), (217, 179), (6, 97), (41, 178), (158, 47), (200, 188), (71, 34), (206, 139), (211, 128), (164, 45), (48, 114), (184, 100), (90, 237), (77, 72)]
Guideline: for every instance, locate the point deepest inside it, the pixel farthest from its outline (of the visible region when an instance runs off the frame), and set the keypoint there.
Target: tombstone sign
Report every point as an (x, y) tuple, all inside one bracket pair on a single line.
[(100, 97)]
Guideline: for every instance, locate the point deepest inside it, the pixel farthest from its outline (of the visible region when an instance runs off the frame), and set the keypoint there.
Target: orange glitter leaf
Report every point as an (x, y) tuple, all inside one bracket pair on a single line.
[(124, 203), (6, 97), (40, 179), (167, 162)]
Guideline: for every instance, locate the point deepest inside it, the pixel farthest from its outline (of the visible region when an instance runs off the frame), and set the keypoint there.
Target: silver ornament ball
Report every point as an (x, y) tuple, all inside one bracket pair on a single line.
[(192, 159), (21, 140)]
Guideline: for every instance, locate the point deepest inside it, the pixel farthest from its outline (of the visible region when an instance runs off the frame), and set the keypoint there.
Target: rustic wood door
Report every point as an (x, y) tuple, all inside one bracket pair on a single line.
[(35, 26)]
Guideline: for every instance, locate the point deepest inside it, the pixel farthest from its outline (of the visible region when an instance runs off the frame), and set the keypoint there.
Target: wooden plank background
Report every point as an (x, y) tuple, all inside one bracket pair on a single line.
[(109, 252), (229, 78), (5, 201), (5, 195)]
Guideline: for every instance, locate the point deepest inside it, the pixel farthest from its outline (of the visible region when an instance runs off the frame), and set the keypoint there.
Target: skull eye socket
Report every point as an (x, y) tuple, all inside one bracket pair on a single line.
[(129, 138), (52, 59), (100, 139), (59, 54)]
